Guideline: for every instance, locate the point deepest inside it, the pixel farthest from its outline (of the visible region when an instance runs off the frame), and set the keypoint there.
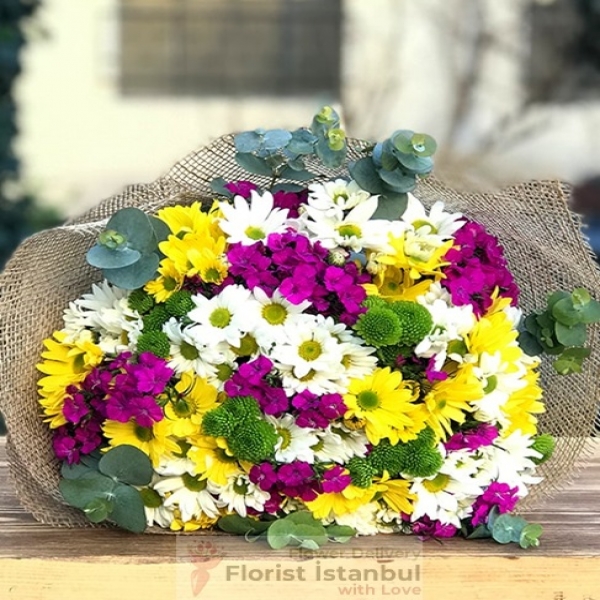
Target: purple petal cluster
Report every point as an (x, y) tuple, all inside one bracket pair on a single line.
[(336, 480), (497, 494), (427, 528), (483, 435), (477, 268), (317, 412), (292, 201), (121, 391), (251, 380), (295, 480), (291, 263)]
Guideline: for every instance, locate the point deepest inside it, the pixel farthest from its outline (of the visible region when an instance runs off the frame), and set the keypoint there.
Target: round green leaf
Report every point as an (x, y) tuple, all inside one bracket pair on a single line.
[(80, 492), (564, 312), (275, 139), (102, 257), (508, 528), (253, 164), (363, 171), (278, 534), (571, 336), (98, 509), (248, 141), (128, 509), (134, 276), (127, 464), (135, 225)]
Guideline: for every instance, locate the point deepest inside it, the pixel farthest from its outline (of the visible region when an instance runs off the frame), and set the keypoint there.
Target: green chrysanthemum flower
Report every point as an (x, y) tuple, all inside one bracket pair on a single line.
[(374, 302), (242, 408), (385, 457), (219, 422), (361, 472), (420, 459), (156, 318), (253, 441), (154, 341), (180, 304), (545, 445), (379, 326), (415, 320), (141, 301)]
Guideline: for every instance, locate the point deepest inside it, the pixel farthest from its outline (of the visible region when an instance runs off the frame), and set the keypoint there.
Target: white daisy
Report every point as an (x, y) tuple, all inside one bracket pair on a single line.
[(332, 197), (332, 446), (268, 316), (223, 317), (240, 494), (438, 222), (294, 443), (354, 230), (106, 311), (250, 221), (308, 358), (161, 515), (363, 519), (188, 353), (193, 496)]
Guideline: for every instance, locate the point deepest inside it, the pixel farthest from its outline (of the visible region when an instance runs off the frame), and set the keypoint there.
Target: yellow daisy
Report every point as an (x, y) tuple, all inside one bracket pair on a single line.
[(524, 404), (213, 459), (340, 503), (385, 402), (155, 441), (449, 400), (202, 522), (186, 219), (396, 284), (192, 398), (168, 282), (64, 364), (395, 493)]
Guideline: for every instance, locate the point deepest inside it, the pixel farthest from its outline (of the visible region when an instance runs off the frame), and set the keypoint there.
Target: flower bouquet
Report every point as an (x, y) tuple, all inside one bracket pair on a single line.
[(278, 338)]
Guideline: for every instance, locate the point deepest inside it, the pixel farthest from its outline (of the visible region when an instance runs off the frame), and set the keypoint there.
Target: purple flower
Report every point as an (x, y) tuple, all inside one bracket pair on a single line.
[(296, 480), (145, 410), (335, 480), (151, 374), (263, 476), (497, 494), (64, 446), (426, 529), (255, 370), (75, 408), (483, 435), (241, 188), (292, 201), (432, 373)]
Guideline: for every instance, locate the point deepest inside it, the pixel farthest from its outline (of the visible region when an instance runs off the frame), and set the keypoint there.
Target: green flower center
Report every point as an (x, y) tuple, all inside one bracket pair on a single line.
[(340, 196), (212, 275), (183, 409), (421, 223), (188, 351), (310, 350), (151, 498), (390, 286), (286, 437), (223, 457), (240, 487), (193, 483), (368, 400), (169, 284), (224, 372), (441, 404), (255, 233), (318, 446), (349, 230), (144, 434), (274, 313), (220, 317), (247, 347), (437, 484)]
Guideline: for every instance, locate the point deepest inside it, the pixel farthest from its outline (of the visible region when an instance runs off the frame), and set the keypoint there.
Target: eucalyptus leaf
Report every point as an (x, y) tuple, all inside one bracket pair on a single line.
[(276, 139), (127, 464), (480, 532), (302, 142), (401, 141), (217, 185), (289, 173), (507, 528), (253, 164), (76, 471), (309, 544), (340, 533), (135, 225), (529, 344), (97, 510), (278, 534), (390, 207), (161, 230), (302, 517), (571, 336), (287, 187), (590, 312), (136, 275), (580, 297), (417, 164), (530, 535), (80, 492), (248, 141), (102, 257), (564, 312), (399, 181), (239, 525), (128, 509), (366, 175), (555, 297), (330, 158)]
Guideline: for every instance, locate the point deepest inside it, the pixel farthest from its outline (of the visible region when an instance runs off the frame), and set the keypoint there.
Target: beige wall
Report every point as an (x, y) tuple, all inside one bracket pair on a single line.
[(407, 64)]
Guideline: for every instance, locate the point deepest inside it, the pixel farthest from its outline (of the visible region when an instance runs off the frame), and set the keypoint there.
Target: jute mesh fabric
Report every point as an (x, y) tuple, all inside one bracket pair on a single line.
[(543, 245)]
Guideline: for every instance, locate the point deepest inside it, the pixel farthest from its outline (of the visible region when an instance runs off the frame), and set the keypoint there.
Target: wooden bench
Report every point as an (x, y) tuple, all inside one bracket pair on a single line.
[(37, 561)]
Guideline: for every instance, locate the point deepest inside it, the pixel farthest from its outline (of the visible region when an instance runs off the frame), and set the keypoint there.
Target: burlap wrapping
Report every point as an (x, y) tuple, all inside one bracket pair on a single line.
[(542, 241)]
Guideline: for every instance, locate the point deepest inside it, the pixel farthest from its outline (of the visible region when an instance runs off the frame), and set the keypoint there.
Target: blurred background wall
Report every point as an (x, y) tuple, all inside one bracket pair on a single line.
[(114, 91)]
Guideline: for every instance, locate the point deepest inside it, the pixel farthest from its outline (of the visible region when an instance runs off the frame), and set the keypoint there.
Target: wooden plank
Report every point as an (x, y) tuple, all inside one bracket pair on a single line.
[(37, 561)]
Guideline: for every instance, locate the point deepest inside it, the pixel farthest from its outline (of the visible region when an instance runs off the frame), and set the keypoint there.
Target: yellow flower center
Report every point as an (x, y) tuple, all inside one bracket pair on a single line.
[(310, 350), (286, 437), (255, 233), (349, 230), (354, 424), (220, 317), (274, 313), (437, 484), (368, 400)]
